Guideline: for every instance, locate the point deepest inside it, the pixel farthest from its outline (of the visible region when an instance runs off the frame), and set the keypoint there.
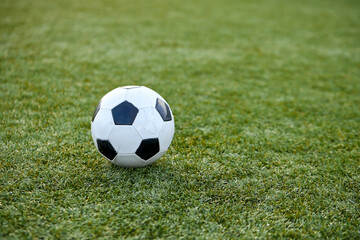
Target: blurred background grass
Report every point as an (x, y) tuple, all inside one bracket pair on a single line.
[(266, 102)]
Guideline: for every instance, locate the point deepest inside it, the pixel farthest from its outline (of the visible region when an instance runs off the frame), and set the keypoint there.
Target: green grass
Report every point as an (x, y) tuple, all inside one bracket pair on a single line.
[(266, 99)]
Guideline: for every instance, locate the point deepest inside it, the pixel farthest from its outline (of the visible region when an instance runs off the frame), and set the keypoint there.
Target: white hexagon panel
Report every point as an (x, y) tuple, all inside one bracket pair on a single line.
[(166, 135), (132, 126), (129, 160), (125, 139), (113, 98), (102, 124), (148, 97), (149, 123)]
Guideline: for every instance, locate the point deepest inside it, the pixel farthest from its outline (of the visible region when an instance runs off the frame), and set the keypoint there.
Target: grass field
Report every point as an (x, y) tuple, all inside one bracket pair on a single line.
[(266, 99)]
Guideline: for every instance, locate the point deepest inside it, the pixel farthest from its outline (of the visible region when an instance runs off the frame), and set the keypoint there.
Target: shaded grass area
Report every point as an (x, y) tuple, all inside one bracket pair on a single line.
[(266, 103)]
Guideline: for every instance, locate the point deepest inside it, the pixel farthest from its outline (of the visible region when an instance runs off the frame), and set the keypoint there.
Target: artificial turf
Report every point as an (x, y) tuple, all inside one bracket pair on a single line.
[(266, 99)]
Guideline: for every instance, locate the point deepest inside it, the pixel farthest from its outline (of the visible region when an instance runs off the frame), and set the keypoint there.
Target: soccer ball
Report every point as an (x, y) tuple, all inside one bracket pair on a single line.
[(132, 126)]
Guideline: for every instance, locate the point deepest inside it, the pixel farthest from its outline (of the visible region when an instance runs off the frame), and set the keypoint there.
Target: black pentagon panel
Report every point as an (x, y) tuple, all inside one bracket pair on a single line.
[(163, 110), (148, 148), (124, 113), (106, 149), (96, 111)]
